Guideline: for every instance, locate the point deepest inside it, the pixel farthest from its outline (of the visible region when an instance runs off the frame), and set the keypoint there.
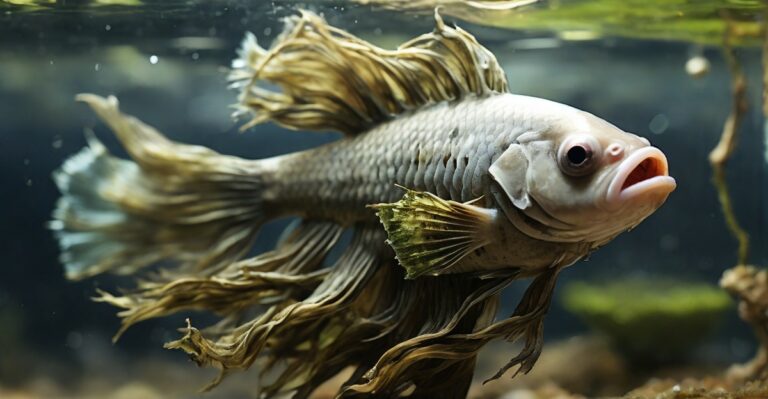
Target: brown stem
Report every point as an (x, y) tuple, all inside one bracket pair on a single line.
[(724, 149), (745, 282)]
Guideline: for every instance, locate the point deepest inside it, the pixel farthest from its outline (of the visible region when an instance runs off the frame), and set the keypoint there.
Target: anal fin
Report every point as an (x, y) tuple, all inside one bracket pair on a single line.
[(430, 235)]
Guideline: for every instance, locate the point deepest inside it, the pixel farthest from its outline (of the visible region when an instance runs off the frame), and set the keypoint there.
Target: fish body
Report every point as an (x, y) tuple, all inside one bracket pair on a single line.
[(444, 149), (448, 149), (452, 189)]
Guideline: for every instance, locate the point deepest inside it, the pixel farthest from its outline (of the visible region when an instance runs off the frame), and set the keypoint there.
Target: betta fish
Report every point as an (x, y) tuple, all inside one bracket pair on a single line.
[(448, 187)]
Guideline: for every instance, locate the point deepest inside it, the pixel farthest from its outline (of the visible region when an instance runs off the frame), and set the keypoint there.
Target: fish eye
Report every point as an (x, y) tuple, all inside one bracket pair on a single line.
[(577, 155)]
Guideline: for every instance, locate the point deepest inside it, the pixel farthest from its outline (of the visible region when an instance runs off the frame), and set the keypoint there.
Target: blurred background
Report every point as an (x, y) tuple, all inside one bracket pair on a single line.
[(648, 303)]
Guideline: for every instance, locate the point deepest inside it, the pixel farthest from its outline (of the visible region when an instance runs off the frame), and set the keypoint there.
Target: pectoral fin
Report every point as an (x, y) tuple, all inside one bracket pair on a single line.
[(430, 234)]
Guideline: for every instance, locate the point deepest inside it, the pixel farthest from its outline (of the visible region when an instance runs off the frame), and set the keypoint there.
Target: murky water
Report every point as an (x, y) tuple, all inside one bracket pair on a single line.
[(167, 62)]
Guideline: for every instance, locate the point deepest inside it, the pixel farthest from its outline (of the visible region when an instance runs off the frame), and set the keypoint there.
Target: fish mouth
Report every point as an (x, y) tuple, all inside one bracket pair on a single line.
[(643, 173)]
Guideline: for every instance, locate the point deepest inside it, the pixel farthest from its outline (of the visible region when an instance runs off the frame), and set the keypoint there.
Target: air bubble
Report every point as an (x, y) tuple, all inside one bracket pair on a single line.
[(697, 66), (659, 124)]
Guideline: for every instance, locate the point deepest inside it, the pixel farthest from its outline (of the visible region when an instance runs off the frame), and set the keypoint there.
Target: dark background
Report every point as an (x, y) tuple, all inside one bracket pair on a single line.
[(49, 325)]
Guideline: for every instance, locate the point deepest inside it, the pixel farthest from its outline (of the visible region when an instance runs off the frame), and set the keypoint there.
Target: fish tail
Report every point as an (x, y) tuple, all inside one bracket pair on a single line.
[(182, 203)]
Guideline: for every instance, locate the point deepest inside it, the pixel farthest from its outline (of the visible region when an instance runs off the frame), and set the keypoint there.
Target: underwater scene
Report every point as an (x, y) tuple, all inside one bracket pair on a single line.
[(512, 199)]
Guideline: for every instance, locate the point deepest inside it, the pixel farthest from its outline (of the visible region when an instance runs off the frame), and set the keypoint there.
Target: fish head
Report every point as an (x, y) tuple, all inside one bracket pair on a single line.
[(580, 178)]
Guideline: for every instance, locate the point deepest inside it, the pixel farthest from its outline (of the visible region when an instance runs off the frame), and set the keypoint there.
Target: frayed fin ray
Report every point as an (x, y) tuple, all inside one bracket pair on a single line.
[(171, 201), (287, 327), (412, 360), (282, 274), (430, 234), (332, 80)]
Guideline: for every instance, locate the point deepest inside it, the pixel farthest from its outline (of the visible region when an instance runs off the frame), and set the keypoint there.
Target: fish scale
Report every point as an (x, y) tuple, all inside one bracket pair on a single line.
[(445, 149)]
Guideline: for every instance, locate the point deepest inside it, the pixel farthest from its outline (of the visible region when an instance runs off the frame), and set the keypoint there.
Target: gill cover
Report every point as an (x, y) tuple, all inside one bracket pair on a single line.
[(510, 172)]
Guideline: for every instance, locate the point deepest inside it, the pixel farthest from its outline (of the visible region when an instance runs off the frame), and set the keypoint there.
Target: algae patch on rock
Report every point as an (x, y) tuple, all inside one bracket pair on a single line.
[(650, 321)]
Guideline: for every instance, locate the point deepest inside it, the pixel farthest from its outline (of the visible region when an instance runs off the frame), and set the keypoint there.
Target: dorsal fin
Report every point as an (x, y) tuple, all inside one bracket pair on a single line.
[(332, 80)]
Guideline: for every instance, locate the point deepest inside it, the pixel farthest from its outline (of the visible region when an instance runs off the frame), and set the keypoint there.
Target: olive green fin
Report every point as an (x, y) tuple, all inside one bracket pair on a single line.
[(295, 332), (283, 274), (329, 79), (430, 234)]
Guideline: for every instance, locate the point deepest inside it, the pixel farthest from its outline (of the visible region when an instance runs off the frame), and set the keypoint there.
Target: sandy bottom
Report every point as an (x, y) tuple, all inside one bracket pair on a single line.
[(580, 367)]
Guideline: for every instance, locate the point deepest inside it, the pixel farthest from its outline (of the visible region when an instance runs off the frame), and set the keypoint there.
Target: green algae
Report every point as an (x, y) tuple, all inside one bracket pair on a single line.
[(703, 22), (648, 320)]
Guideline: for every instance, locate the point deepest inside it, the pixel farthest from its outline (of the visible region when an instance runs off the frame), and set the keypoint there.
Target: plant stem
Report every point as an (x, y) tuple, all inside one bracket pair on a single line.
[(724, 149)]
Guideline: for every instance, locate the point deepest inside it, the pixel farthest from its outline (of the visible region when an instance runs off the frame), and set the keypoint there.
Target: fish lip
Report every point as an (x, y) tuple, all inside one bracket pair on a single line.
[(661, 183)]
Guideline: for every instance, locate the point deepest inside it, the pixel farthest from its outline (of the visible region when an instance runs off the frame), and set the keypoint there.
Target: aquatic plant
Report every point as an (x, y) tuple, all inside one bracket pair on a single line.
[(650, 320), (748, 283), (702, 21)]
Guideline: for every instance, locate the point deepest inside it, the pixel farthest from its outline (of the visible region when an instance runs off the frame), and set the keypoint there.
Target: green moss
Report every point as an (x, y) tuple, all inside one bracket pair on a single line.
[(651, 321), (701, 21)]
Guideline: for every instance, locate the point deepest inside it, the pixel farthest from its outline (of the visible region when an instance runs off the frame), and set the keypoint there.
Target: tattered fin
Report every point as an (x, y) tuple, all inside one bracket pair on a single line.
[(332, 80), (285, 328), (414, 359), (430, 234), (280, 274), (171, 201)]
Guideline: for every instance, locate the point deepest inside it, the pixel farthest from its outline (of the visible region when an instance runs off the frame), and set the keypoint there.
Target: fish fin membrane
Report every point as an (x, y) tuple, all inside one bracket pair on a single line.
[(329, 79), (367, 316), (286, 273), (171, 202), (306, 323), (317, 335), (434, 360), (429, 234)]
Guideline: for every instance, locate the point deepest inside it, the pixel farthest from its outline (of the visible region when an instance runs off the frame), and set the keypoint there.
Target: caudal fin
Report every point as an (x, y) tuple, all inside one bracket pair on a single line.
[(182, 203)]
